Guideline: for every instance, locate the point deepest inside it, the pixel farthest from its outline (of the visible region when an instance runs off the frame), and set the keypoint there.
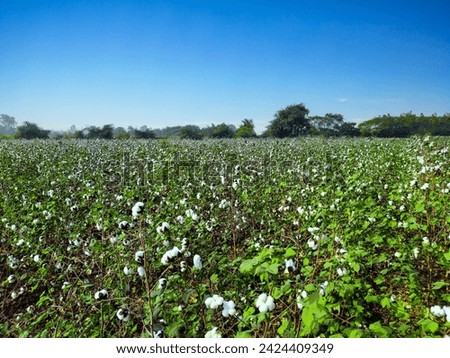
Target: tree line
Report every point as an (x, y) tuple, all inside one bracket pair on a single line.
[(289, 122)]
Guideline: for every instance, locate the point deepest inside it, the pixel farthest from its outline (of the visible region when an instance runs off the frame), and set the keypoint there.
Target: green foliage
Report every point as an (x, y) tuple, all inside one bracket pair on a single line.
[(290, 121), (246, 130), (30, 130), (405, 125), (343, 238)]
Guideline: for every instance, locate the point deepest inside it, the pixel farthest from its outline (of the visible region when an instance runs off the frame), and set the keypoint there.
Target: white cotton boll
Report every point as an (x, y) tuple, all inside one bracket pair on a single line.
[(312, 244), (36, 258), (101, 295), (169, 255), (139, 256), (214, 302), (137, 209), (438, 311), (289, 266), (323, 287), (228, 308), (198, 262), (123, 314), (265, 303), (213, 333), (183, 266), (141, 271), (425, 186), (161, 283), (180, 219), (313, 230), (128, 270), (341, 272)]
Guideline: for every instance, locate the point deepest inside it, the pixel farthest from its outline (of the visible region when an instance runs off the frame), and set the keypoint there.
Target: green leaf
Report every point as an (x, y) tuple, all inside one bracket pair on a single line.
[(419, 207), (385, 302), (439, 284), (355, 266), (379, 330), (215, 278), (273, 268), (283, 327), (248, 265), (244, 334), (429, 326), (248, 312), (289, 253), (355, 333), (447, 256)]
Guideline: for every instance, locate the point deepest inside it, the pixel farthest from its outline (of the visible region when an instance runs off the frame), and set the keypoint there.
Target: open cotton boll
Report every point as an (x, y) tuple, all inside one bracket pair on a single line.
[(198, 262), (213, 333), (123, 314), (214, 302), (137, 209), (101, 295), (265, 303), (228, 308), (289, 266), (139, 256)]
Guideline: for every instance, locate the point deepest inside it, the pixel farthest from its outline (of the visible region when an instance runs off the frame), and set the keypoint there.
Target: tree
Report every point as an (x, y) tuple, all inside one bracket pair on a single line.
[(106, 132), (223, 131), (328, 125), (191, 132), (348, 129), (30, 130), (291, 121), (8, 124), (144, 133), (246, 130)]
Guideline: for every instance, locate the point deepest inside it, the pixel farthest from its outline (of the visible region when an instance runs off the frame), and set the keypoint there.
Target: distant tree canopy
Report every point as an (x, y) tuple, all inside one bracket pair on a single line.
[(291, 121), (405, 125), (246, 130), (191, 132), (223, 131), (30, 130), (332, 125), (8, 124)]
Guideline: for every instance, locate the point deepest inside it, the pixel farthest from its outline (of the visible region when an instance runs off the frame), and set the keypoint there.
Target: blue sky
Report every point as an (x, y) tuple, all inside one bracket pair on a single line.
[(163, 63)]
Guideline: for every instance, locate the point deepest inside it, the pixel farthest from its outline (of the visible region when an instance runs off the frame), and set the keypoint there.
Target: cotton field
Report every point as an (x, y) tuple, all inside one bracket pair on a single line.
[(225, 238)]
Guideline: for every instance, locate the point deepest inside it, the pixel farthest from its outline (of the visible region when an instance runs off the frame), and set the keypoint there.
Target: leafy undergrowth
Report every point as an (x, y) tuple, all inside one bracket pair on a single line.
[(273, 238)]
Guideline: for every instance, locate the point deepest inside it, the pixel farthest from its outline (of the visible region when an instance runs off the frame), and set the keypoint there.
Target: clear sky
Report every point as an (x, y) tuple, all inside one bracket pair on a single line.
[(164, 63)]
